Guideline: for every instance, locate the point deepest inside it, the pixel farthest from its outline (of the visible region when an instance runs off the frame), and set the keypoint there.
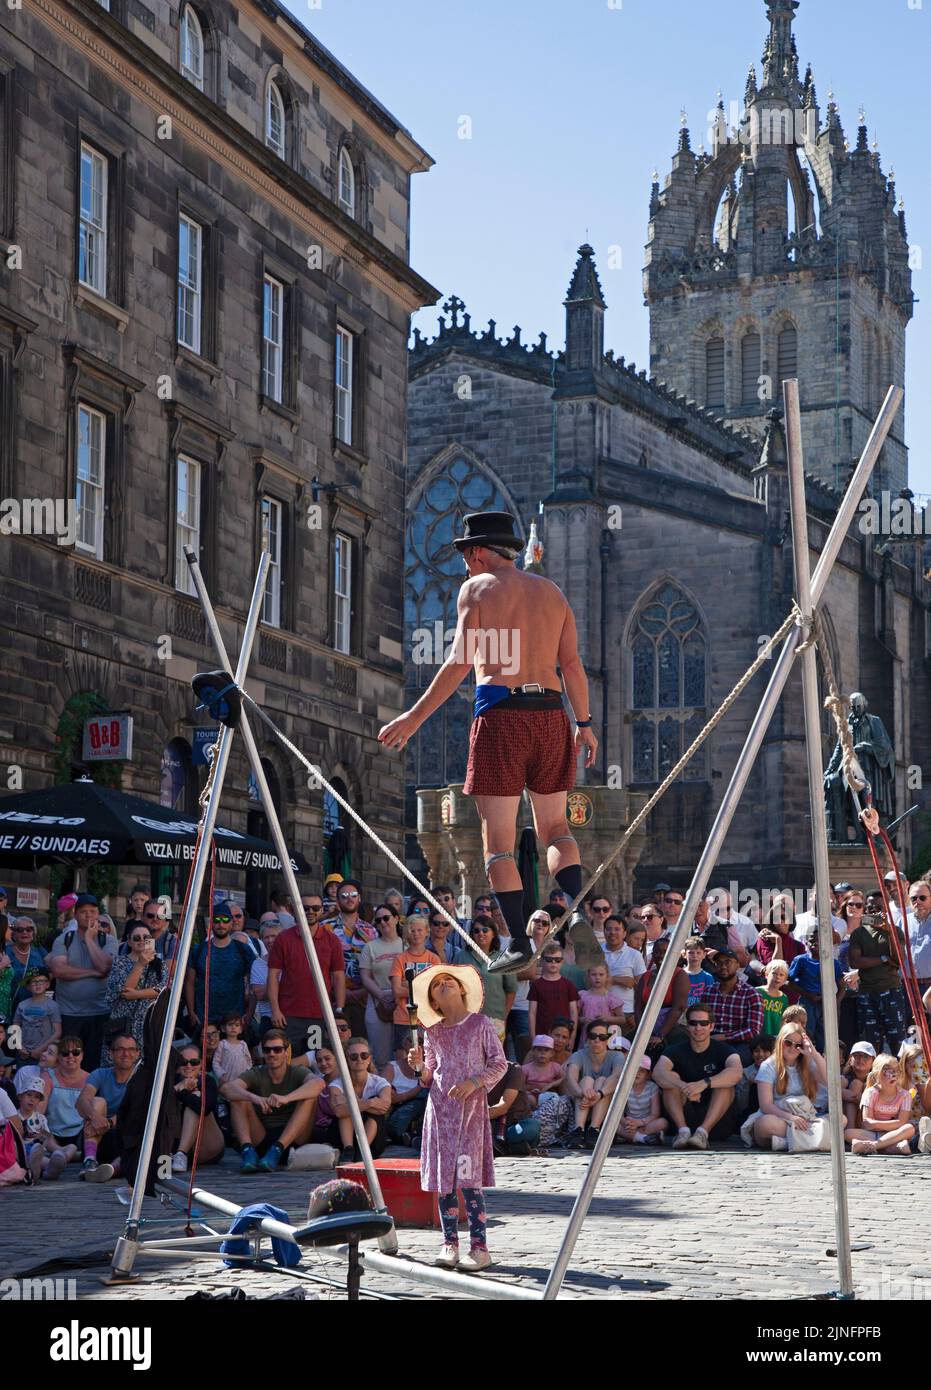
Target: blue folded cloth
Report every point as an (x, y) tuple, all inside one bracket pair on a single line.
[(285, 1252)]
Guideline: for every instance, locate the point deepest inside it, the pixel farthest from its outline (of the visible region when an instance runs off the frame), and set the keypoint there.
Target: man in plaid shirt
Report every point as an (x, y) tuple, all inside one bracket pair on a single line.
[(737, 1008)]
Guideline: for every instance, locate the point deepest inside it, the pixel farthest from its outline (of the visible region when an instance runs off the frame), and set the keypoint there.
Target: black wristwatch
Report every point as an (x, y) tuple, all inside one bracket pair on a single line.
[(584, 723)]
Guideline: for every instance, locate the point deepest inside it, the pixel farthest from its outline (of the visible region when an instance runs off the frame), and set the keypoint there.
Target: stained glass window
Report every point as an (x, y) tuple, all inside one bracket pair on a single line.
[(668, 682), (433, 574)]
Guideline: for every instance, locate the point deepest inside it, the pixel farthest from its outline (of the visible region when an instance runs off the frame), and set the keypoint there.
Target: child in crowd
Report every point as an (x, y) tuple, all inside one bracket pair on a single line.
[(602, 999), (38, 1017), (643, 1121), (775, 1000), (695, 968), (805, 975), (232, 1056), (885, 1108), (541, 1072), (797, 1014), (762, 1046), (45, 1157), (917, 1083), (562, 1032)]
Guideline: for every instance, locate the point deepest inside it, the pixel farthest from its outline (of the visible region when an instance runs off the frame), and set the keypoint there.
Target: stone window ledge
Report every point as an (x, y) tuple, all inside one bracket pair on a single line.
[(88, 299)]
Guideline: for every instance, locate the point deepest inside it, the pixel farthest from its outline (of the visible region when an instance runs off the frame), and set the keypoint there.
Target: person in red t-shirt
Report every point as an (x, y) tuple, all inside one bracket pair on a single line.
[(551, 996), (292, 993)]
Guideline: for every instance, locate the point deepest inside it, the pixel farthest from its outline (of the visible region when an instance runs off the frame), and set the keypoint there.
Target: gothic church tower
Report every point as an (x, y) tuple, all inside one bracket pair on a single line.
[(781, 252)]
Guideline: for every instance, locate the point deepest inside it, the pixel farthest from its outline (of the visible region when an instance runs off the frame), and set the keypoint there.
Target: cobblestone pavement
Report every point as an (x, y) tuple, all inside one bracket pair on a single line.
[(663, 1225)]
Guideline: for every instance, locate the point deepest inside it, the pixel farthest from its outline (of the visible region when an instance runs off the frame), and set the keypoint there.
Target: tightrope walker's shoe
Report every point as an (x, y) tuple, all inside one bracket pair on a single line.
[(584, 942), (520, 954)]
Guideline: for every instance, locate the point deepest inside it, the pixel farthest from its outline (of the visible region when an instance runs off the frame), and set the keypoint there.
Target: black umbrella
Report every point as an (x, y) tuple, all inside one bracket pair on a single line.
[(84, 823)]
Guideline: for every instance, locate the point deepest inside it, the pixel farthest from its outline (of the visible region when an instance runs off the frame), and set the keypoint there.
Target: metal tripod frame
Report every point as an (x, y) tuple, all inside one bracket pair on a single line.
[(128, 1244)]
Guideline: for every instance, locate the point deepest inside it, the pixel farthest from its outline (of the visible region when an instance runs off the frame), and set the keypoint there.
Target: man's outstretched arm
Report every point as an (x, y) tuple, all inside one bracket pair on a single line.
[(447, 679)]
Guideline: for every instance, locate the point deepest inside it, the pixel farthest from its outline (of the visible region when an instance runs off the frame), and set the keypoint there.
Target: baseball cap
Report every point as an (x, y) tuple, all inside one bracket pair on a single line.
[(543, 1040), (223, 911), (889, 877), (644, 1064), (86, 900), (865, 1047), (662, 887), (618, 1043), (27, 1079), (727, 954)]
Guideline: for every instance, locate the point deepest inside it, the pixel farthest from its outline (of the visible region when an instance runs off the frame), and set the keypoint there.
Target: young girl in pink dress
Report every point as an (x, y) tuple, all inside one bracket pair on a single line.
[(884, 1111), (462, 1060)]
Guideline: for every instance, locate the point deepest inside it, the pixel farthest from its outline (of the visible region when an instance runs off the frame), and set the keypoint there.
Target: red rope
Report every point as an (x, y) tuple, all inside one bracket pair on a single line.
[(903, 946)]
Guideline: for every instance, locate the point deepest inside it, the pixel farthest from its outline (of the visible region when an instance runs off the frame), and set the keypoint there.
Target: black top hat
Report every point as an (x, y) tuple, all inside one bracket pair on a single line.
[(489, 528)]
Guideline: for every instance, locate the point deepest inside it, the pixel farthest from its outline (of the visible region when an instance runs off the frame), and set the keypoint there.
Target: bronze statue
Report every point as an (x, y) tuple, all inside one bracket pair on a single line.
[(876, 756)]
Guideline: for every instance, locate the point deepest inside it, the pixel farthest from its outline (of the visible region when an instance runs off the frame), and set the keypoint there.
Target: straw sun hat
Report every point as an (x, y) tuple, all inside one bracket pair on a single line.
[(466, 975)]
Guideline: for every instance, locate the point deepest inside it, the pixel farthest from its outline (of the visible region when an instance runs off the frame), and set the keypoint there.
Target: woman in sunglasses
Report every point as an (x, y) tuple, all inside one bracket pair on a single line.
[(190, 1084), (795, 1069), (375, 964), (500, 990), (373, 1093), (67, 1079), (134, 981)]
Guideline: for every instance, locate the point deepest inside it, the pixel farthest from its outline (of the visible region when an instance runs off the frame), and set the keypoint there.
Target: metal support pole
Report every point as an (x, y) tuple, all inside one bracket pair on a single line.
[(124, 1253), (389, 1241), (819, 834), (712, 850)]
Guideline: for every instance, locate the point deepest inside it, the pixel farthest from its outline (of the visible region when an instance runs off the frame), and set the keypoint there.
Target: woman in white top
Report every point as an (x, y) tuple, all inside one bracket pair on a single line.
[(375, 964), (795, 1069)]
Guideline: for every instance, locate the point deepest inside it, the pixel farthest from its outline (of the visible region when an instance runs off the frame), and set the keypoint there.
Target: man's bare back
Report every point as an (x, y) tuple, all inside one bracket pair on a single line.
[(517, 622)]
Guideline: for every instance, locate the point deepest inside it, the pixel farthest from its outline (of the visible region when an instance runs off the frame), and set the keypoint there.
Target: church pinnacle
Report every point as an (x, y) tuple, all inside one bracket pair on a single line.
[(780, 56)]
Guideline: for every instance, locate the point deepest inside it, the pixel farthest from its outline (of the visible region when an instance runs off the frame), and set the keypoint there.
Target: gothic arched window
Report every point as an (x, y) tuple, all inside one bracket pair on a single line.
[(750, 357), (669, 673), (433, 574), (714, 372), (787, 354)]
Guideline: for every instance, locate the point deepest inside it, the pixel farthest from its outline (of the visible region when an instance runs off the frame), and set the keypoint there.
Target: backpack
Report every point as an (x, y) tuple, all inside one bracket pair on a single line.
[(102, 938)]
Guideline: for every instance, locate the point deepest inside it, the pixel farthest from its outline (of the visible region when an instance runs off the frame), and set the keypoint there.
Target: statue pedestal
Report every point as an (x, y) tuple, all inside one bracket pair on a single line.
[(852, 864), (449, 833)]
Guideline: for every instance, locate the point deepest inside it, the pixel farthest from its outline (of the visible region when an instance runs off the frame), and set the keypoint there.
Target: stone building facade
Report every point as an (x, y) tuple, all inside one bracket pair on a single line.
[(665, 521), (205, 299)]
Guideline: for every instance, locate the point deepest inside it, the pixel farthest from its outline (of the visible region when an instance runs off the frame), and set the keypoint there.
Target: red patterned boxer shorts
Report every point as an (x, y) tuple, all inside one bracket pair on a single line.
[(510, 749)]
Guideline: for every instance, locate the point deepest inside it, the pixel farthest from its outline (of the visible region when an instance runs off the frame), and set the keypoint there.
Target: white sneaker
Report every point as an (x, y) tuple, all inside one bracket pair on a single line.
[(448, 1257), (179, 1163), (102, 1173), (924, 1134), (476, 1260), (682, 1140), (699, 1140)]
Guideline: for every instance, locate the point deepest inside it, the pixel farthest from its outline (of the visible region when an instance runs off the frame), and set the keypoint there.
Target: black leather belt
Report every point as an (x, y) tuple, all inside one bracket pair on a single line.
[(520, 698)]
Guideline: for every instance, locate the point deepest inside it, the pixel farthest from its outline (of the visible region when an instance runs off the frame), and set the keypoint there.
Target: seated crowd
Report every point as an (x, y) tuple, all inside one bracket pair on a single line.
[(738, 1044)]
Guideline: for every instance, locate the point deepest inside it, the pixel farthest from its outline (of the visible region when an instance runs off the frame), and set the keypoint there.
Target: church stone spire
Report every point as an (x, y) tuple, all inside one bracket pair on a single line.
[(585, 311), (780, 57)]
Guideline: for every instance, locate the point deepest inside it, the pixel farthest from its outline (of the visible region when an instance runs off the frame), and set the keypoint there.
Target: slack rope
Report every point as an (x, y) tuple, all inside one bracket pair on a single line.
[(315, 771)]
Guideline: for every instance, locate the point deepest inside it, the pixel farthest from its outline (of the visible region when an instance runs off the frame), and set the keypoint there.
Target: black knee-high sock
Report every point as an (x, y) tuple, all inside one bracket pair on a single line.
[(570, 880), (512, 909)]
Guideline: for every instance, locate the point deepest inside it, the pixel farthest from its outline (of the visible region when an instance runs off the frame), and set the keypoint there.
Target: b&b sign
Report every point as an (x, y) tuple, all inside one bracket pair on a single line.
[(108, 737)]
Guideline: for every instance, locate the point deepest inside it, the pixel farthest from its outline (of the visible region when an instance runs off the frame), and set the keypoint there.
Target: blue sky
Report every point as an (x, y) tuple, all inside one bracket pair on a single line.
[(573, 102)]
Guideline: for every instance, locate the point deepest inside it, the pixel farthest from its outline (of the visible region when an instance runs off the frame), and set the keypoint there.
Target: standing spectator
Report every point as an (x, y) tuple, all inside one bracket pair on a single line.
[(330, 885), (292, 994), (851, 911), (272, 1105), (447, 900), (258, 977), (795, 1069), (637, 941), (22, 954), (80, 960), (232, 1056), (919, 932), (675, 1000), (806, 920), (67, 1079), (735, 1005), (373, 1093), (671, 908), (882, 1010), (695, 952), (591, 1079), (642, 1121), (395, 899), (135, 906), (462, 1060), (805, 974), (134, 981), (230, 970), (776, 940), (625, 965), (699, 1080), (353, 934), (375, 973), (599, 909), (444, 943), (38, 1017), (98, 1104), (499, 989), (774, 1000), (601, 1000), (552, 997), (741, 933), (654, 924), (518, 1029), (415, 956)]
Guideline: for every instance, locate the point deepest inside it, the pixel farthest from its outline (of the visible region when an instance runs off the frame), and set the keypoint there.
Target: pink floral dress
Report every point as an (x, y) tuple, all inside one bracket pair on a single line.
[(456, 1142)]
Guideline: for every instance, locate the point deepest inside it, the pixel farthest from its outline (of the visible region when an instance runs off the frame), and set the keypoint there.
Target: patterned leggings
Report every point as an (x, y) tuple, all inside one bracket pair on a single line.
[(475, 1210)]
